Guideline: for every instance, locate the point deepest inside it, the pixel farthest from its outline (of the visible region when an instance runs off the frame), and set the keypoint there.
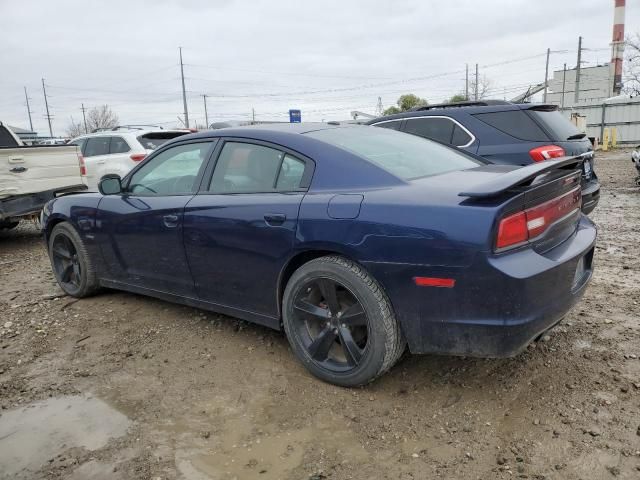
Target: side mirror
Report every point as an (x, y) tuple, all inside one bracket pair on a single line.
[(110, 185)]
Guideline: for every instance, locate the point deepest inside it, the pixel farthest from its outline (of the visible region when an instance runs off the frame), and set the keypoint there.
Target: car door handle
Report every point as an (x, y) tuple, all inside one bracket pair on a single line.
[(275, 218), (18, 169), (170, 221)]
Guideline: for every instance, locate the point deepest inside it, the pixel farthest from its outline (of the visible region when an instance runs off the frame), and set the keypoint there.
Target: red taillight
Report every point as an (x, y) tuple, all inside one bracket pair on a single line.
[(434, 282), (83, 166), (532, 222), (137, 157), (512, 230), (546, 152)]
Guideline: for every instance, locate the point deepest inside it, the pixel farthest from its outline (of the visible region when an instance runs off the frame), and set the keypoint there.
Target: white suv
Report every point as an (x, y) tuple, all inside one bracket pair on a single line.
[(120, 149)]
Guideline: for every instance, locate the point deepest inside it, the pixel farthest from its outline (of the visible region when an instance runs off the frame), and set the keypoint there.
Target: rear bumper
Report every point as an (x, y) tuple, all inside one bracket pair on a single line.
[(590, 196), (499, 303), (31, 203)]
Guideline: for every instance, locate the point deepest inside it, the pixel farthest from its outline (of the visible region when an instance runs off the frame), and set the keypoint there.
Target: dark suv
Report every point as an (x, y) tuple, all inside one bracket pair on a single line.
[(503, 132)]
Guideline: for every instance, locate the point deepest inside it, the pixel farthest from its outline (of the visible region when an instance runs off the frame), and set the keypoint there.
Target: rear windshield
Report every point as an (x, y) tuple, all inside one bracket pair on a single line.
[(559, 127), (405, 156), (515, 123), (151, 141)]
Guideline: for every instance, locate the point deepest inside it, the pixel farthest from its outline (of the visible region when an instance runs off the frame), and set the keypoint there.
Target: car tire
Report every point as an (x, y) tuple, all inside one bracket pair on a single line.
[(356, 326), (72, 266)]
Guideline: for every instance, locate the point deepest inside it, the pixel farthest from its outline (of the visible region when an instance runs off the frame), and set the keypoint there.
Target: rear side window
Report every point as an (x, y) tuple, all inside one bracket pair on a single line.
[(405, 156), (291, 173), (559, 127), (250, 168), (515, 123), (394, 125), (439, 129), (118, 145), (97, 146)]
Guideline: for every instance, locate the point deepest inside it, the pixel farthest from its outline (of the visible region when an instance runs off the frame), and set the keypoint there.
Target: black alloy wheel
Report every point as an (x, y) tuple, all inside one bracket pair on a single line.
[(66, 263), (331, 324), (70, 261), (340, 322)]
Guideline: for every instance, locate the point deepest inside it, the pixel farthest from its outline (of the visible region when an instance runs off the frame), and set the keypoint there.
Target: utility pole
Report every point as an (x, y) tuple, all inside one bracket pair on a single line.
[(26, 97), (577, 96), (184, 93), (546, 76), (206, 115), (84, 119), (46, 104), (253, 114), (564, 76), (475, 94), (466, 82)]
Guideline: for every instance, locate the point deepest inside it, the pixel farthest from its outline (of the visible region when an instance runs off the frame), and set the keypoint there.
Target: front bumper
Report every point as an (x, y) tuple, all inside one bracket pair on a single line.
[(499, 303)]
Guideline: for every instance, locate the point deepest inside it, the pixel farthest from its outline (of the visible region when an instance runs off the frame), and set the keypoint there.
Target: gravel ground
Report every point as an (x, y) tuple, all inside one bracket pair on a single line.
[(121, 386)]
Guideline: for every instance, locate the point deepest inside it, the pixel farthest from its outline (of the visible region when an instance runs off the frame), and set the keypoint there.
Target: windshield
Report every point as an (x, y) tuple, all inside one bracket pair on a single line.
[(151, 141), (559, 127), (405, 156)]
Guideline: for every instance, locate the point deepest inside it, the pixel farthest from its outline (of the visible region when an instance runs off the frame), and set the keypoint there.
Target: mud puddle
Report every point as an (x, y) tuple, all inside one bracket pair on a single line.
[(30, 436)]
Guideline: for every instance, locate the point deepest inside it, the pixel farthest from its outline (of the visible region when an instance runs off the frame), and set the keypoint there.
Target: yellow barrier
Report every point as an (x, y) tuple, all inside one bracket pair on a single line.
[(614, 137), (605, 139)]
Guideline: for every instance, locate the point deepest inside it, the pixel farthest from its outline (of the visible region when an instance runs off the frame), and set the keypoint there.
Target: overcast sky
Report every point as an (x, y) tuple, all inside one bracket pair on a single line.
[(324, 57)]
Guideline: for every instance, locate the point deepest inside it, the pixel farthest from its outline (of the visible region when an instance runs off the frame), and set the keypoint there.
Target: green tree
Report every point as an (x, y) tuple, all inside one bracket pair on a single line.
[(406, 102), (458, 97)]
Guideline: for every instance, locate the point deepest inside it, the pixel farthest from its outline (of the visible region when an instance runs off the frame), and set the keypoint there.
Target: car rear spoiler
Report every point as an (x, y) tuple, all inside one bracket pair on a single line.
[(521, 176)]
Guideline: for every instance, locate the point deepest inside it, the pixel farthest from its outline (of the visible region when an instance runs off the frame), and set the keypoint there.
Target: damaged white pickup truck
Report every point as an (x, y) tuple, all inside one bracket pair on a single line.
[(30, 176)]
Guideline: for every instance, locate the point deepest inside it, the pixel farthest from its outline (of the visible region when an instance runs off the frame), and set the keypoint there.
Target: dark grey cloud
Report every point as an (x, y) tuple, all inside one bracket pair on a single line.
[(272, 55)]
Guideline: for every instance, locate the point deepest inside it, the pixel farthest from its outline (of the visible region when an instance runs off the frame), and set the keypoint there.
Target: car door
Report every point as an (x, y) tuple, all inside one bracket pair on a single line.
[(141, 229), (240, 229)]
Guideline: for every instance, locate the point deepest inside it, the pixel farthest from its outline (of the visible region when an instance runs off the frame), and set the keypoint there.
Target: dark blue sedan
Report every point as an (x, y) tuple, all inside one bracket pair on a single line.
[(356, 240)]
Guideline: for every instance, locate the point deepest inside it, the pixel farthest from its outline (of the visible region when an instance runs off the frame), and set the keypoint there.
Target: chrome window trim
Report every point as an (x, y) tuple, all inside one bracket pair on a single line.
[(473, 137)]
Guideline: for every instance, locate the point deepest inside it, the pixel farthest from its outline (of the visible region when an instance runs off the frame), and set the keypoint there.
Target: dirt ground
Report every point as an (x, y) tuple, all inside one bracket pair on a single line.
[(121, 386)]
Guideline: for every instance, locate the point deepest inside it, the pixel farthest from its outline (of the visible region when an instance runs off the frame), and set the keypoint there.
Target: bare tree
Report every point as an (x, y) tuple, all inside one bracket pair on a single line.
[(632, 65), (74, 129), (101, 117), (483, 87)]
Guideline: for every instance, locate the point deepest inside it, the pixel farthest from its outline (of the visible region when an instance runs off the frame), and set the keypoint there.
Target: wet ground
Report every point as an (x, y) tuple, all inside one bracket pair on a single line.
[(120, 386)]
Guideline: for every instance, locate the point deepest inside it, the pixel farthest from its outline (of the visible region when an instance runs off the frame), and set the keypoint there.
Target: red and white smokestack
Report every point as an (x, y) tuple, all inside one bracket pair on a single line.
[(617, 44)]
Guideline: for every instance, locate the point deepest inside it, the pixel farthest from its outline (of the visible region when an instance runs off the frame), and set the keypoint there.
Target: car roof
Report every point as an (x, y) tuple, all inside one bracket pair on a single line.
[(121, 132), (279, 128), (462, 108)]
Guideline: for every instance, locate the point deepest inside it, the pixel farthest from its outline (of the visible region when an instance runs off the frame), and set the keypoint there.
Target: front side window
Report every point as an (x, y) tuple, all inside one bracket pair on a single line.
[(118, 145), (405, 156), (97, 146), (250, 168), (171, 172)]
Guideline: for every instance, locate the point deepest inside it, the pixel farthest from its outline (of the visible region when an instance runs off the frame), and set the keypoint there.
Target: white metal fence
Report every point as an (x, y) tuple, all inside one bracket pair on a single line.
[(623, 115)]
